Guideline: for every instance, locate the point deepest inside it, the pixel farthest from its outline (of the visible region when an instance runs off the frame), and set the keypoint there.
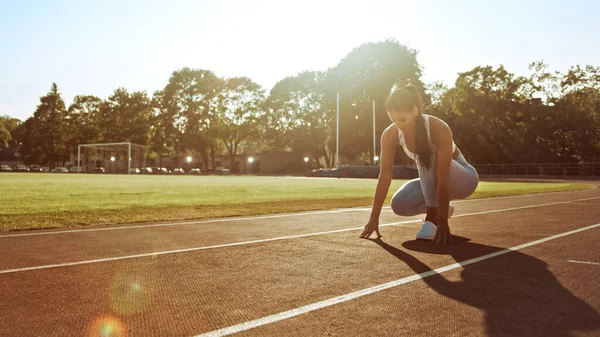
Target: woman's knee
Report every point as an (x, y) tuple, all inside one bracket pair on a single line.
[(465, 188), (400, 205), (404, 201)]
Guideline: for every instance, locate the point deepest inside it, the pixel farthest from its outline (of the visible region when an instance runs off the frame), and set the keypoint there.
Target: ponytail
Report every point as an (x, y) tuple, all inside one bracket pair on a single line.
[(405, 99)]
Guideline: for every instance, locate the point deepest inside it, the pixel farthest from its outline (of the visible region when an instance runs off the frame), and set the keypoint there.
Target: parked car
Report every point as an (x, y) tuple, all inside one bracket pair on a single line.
[(195, 171), (45, 169), (146, 170), (5, 168), (35, 168), (99, 169), (160, 170), (134, 170), (60, 169), (75, 169), (178, 171), (222, 170), (20, 168)]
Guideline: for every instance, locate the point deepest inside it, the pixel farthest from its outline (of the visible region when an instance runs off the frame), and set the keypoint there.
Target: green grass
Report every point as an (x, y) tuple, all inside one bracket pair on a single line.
[(29, 200)]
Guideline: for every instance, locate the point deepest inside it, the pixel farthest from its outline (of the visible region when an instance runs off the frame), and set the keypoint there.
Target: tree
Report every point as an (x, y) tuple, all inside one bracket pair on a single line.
[(578, 78), (126, 116), (190, 102), (436, 91), (576, 123), (28, 150), (487, 113), (10, 131), (44, 132), (497, 117), (365, 75), (296, 116), (5, 136), (302, 108), (82, 125), (161, 126), (241, 114), (567, 126)]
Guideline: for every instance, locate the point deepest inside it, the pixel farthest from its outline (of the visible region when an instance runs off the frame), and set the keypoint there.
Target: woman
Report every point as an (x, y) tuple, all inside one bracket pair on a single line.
[(444, 174)]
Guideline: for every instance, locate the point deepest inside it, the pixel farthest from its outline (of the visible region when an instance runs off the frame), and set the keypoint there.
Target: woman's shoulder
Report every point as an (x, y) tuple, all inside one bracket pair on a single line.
[(439, 129), (390, 134), (437, 124)]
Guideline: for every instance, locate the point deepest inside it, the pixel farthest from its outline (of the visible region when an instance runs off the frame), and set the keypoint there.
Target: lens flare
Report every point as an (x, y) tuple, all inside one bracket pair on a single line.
[(106, 326), (130, 295), (132, 291)]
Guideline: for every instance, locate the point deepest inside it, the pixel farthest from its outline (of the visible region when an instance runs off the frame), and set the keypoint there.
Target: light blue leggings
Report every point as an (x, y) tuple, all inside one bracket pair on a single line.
[(415, 196)]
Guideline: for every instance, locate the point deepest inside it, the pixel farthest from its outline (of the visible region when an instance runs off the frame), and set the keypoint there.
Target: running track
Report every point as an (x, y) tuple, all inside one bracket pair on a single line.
[(520, 266)]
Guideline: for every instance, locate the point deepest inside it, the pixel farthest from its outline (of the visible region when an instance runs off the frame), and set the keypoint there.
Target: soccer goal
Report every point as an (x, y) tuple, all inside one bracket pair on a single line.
[(123, 157)]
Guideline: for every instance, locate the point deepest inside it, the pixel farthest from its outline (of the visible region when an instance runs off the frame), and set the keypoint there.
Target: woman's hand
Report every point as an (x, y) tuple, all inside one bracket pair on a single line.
[(442, 234), (371, 226)]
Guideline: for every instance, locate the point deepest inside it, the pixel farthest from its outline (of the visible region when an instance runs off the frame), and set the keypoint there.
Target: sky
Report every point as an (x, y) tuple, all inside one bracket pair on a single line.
[(92, 48)]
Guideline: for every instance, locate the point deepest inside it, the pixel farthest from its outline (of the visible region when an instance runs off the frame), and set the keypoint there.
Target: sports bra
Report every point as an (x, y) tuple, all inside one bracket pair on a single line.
[(431, 146)]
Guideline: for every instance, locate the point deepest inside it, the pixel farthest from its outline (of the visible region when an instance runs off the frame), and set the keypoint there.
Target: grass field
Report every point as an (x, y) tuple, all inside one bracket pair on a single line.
[(49, 200)]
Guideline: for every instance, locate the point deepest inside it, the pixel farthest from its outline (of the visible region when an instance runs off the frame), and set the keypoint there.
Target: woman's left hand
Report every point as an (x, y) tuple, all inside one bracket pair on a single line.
[(442, 234)]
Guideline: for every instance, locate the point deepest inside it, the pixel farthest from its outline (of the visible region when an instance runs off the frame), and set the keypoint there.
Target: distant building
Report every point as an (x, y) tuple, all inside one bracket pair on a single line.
[(8, 156)]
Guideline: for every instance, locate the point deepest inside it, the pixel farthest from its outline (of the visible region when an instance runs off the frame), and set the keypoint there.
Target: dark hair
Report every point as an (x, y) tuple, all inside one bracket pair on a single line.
[(404, 99)]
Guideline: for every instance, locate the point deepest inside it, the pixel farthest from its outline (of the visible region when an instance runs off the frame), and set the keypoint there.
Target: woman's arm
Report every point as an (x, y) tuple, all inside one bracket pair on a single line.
[(389, 139), (442, 138)]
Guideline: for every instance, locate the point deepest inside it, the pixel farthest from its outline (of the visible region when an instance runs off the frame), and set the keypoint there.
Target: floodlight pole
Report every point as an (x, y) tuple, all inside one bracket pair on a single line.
[(78, 158), (129, 158), (374, 141), (337, 132)]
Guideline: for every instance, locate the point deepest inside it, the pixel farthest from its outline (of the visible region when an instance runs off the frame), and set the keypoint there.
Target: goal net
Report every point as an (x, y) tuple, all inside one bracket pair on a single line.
[(123, 158)]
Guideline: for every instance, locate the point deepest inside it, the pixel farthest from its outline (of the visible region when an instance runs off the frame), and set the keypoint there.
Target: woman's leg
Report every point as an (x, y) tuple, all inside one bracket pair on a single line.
[(463, 181), (409, 199), (419, 196)]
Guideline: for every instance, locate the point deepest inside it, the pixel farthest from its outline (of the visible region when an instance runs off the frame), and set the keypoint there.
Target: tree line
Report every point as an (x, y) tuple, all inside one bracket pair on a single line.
[(495, 116)]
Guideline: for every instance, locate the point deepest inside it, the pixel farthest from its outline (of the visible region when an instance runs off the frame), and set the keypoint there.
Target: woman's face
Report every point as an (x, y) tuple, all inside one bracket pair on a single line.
[(404, 120)]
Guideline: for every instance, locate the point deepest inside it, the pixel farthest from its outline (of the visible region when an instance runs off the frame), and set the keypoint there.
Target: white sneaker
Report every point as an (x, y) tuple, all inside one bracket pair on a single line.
[(427, 231)]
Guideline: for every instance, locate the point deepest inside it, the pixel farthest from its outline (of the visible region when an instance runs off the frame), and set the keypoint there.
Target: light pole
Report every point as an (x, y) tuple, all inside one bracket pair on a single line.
[(375, 157), (250, 161), (179, 153), (337, 132)]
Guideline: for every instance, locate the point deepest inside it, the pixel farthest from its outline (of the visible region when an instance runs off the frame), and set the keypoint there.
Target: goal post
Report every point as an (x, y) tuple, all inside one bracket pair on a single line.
[(98, 152)]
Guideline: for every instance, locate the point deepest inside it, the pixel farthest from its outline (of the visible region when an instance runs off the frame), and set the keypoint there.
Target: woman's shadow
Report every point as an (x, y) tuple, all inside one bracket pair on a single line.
[(517, 292)]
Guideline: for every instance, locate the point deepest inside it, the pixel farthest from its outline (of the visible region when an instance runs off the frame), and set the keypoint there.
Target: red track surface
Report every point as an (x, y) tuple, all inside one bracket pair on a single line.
[(85, 283)]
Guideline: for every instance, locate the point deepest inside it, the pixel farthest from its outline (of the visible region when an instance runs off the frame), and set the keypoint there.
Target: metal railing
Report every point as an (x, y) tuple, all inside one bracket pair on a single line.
[(549, 169)]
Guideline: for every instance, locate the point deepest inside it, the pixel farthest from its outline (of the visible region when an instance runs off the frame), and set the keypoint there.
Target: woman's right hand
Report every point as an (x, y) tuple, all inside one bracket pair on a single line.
[(370, 227), (389, 140)]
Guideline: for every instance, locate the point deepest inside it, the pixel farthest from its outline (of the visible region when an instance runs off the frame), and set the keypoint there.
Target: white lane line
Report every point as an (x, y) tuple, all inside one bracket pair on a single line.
[(232, 219), (288, 237), (368, 291), (260, 217), (585, 262), (526, 195), (522, 207), (233, 244), (586, 203)]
